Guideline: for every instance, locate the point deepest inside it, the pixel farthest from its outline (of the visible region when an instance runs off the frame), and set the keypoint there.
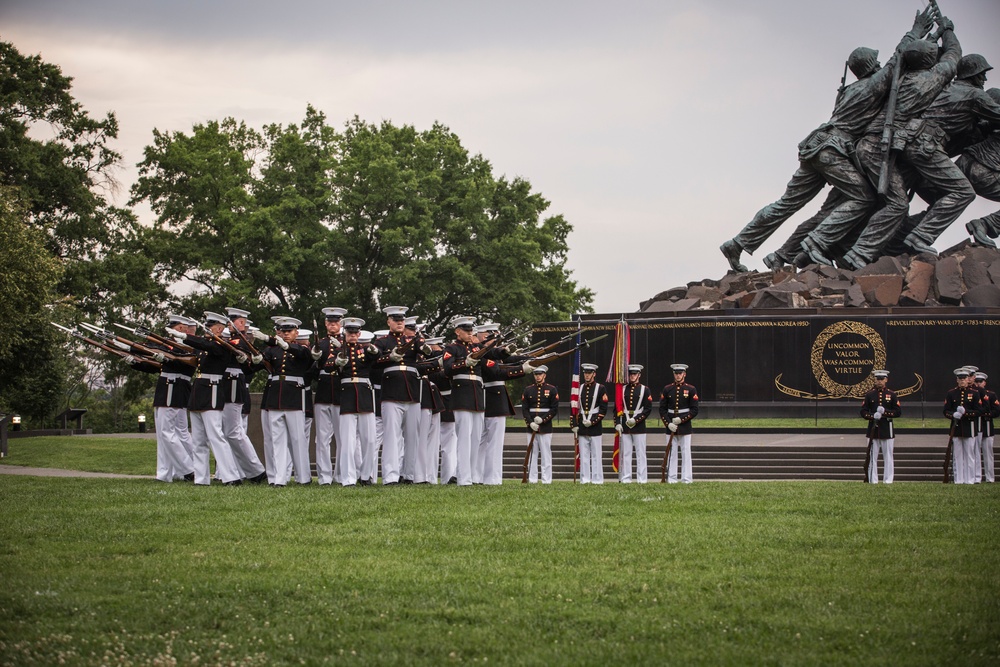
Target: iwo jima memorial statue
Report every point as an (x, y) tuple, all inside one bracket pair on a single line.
[(859, 286)]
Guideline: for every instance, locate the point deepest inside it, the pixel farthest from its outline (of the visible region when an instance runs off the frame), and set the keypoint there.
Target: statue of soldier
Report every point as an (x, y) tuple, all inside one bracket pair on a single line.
[(826, 155), (923, 77), (981, 165)]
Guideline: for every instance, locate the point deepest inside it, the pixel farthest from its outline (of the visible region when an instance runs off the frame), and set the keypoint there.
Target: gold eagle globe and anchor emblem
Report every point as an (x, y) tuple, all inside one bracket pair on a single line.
[(843, 357)]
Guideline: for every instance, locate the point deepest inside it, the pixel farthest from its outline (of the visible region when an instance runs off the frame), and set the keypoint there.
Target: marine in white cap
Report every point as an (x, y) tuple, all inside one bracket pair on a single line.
[(587, 425), (207, 402), (539, 406), (962, 406), (637, 405), (990, 411), (400, 394), (678, 406), (326, 402), (880, 407), (237, 409)]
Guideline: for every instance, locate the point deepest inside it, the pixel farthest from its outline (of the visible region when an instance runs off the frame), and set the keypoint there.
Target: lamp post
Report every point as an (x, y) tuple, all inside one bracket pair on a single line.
[(142, 423), (15, 423)]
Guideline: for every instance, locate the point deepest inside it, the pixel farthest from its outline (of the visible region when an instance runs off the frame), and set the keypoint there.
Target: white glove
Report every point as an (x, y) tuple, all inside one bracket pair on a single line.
[(395, 355), (340, 361), (880, 409), (159, 357), (260, 335), (587, 422), (959, 411), (877, 415), (630, 422), (426, 349), (128, 359), (280, 342), (471, 362), (335, 342), (575, 429), (534, 426), (373, 349), (675, 421), (257, 358), (673, 427), (241, 358), (179, 335), (618, 427), (316, 353), (527, 367), (538, 420)]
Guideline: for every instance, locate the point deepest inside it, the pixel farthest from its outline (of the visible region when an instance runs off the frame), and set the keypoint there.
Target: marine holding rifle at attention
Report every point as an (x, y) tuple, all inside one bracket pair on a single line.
[(880, 407)]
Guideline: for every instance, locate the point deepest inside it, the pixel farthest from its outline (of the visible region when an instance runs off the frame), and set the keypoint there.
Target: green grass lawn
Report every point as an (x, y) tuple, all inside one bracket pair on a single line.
[(140, 572), (126, 456)]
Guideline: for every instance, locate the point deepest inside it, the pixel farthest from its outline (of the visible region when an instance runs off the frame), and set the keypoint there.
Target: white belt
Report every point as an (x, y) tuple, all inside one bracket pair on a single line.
[(355, 381), (447, 392), (539, 409), (287, 378), (497, 383), (471, 376), (681, 411), (211, 377), (408, 369), (235, 371), (175, 376)]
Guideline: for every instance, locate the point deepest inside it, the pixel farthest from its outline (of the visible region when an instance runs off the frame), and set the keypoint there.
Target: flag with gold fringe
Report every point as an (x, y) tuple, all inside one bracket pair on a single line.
[(618, 373)]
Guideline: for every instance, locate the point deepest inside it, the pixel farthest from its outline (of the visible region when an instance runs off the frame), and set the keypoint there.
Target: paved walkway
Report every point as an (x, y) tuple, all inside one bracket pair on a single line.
[(59, 472)]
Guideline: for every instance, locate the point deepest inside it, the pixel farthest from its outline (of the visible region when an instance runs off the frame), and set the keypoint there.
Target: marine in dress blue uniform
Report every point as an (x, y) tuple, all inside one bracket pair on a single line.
[(880, 407), (678, 406)]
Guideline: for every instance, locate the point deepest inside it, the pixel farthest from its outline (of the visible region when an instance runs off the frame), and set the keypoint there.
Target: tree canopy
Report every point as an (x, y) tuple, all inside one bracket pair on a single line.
[(302, 216)]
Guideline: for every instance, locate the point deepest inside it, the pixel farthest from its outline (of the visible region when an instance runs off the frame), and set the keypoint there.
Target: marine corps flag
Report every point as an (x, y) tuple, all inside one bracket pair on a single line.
[(618, 373)]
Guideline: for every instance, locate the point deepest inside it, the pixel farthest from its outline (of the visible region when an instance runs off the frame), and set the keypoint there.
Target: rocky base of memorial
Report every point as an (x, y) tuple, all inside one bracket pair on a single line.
[(964, 275)]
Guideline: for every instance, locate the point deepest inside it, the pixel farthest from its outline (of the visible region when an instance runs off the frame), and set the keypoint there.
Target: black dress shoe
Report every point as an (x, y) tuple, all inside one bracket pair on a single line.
[(235, 482), (259, 479), (405, 481), (189, 477), (390, 483), (453, 480)]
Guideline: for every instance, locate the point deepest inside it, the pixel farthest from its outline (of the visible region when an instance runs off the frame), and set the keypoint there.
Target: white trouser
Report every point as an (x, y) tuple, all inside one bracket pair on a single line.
[(244, 454), (682, 443), (988, 459), (491, 450), (887, 472), (326, 415), (400, 434), (628, 443), (468, 432), (591, 460), (977, 459), (173, 460), (414, 464), (290, 449), (449, 442), (431, 439), (207, 435), (961, 459), (357, 433), (265, 427), (543, 444)]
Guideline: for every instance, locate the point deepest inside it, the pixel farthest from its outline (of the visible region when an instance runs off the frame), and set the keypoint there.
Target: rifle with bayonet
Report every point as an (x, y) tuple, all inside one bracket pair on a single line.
[(559, 355), (552, 346), (133, 347), (948, 452), (868, 458), (106, 348), (221, 341), (171, 344)]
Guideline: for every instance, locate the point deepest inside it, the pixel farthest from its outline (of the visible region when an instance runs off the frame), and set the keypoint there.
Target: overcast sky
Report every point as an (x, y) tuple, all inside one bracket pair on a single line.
[(657, 129)]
